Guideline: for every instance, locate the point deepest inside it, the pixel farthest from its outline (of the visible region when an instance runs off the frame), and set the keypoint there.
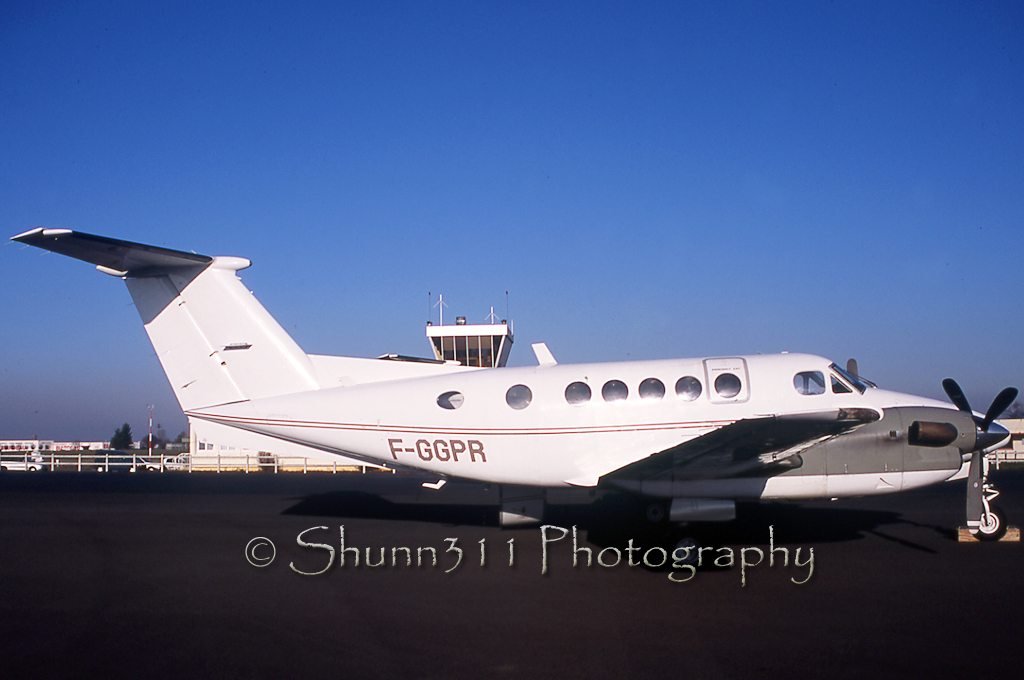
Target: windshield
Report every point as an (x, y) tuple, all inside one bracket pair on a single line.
[(859, 383)]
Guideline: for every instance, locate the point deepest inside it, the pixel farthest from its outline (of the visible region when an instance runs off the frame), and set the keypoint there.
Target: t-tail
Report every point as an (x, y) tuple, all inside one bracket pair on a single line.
[(215, 341)]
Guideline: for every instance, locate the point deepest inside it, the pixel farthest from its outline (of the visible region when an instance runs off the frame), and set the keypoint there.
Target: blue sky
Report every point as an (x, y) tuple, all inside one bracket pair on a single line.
[(646, 180)]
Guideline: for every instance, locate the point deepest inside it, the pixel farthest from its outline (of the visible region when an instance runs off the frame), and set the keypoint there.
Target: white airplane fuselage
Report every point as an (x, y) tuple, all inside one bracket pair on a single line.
[(551, 442)]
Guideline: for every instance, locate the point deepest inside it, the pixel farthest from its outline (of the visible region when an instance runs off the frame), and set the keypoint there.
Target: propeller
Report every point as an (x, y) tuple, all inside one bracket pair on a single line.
[(956, 395), (999, 404), (984, 520)]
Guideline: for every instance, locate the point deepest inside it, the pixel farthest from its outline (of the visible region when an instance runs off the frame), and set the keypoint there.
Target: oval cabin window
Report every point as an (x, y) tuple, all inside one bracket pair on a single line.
[(518, 397)]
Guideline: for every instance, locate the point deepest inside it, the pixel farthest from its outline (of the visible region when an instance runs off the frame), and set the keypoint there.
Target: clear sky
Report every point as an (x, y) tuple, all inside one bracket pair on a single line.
[(645, 180)]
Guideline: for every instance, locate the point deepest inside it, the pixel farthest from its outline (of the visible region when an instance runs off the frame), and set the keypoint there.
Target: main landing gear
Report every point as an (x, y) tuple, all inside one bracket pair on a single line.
[(678, 538)]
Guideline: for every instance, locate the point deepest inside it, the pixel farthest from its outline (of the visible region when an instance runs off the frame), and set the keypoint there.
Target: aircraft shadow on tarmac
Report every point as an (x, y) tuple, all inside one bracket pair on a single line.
[(615, 518)]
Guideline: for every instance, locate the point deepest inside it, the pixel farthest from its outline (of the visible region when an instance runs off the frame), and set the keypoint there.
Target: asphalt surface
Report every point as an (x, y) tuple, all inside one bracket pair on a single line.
[(148, 576)]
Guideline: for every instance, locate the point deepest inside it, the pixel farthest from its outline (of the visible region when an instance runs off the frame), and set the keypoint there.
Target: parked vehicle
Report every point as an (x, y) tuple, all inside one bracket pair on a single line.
[(178, 462), (121, 461), (13, 460)]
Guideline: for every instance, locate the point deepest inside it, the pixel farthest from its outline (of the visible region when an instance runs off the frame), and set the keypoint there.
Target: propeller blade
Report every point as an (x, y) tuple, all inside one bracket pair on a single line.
[(999, 404), (851, 368), (956, 395)]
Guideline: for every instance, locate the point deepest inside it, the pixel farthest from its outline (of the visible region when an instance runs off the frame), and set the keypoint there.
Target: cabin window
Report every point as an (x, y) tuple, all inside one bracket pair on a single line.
[(577, 393), (652, 388), (614, 390), (688, 388), (450, 400), (518, 397), (809, 382), (727, 385)]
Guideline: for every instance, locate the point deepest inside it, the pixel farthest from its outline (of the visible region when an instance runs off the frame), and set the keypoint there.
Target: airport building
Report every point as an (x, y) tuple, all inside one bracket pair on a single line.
[(26, 445), (484, 345)]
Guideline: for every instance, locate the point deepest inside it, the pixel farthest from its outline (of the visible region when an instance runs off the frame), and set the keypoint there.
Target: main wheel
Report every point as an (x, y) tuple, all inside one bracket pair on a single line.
[(993, 525), (680, 554), (656, 512)]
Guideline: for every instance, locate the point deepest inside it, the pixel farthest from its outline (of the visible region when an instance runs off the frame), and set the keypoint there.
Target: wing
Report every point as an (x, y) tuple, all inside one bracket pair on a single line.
[(746, 448), (112, 256)]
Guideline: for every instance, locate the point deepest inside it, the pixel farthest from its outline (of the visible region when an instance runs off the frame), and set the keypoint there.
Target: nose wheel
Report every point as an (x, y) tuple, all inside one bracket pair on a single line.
[(985, 520)]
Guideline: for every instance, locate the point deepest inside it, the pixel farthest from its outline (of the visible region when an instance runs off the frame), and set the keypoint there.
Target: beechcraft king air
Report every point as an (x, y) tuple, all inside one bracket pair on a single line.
[(691, 436)]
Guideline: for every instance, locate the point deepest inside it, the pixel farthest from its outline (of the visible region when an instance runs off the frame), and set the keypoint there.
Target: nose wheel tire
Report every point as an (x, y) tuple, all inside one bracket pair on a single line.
[(992, 525)]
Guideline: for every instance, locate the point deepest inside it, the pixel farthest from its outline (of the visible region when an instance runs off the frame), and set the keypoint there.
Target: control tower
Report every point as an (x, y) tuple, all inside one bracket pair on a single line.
[(484, 345)]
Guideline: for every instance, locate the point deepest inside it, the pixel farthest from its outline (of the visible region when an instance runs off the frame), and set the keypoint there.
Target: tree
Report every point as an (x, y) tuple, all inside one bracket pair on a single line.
[(122, 439), (1016, 410)]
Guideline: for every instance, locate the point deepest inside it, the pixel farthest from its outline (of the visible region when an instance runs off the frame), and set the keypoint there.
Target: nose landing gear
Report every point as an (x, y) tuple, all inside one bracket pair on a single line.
[(985, 520)]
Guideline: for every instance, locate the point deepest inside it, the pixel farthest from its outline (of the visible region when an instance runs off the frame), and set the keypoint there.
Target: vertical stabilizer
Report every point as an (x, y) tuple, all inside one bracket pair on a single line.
[(216, 342)]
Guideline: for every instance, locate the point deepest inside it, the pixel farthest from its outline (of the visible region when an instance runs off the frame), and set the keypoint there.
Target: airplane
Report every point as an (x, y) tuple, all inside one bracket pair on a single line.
[(689, 437)]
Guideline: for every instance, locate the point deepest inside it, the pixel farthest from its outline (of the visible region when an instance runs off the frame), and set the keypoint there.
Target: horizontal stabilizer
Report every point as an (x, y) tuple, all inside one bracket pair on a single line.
[(111, 255)]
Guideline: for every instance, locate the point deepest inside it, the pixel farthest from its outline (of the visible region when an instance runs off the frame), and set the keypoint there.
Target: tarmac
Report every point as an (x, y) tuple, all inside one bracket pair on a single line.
[(152, 575)]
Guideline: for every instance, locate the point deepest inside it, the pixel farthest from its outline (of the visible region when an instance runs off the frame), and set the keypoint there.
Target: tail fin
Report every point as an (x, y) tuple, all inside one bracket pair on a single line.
[(216, 342)]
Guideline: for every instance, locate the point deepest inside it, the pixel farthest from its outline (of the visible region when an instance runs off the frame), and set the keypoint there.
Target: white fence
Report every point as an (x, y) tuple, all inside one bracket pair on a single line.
[(101, 461)]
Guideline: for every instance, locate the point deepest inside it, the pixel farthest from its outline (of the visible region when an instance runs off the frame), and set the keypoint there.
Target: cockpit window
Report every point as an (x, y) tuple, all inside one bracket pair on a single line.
[(809, 382), (839, 387), (858, 384)]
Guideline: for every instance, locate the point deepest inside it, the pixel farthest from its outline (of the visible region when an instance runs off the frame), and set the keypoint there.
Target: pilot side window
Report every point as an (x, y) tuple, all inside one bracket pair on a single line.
[(809, 382), (838, 387)]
